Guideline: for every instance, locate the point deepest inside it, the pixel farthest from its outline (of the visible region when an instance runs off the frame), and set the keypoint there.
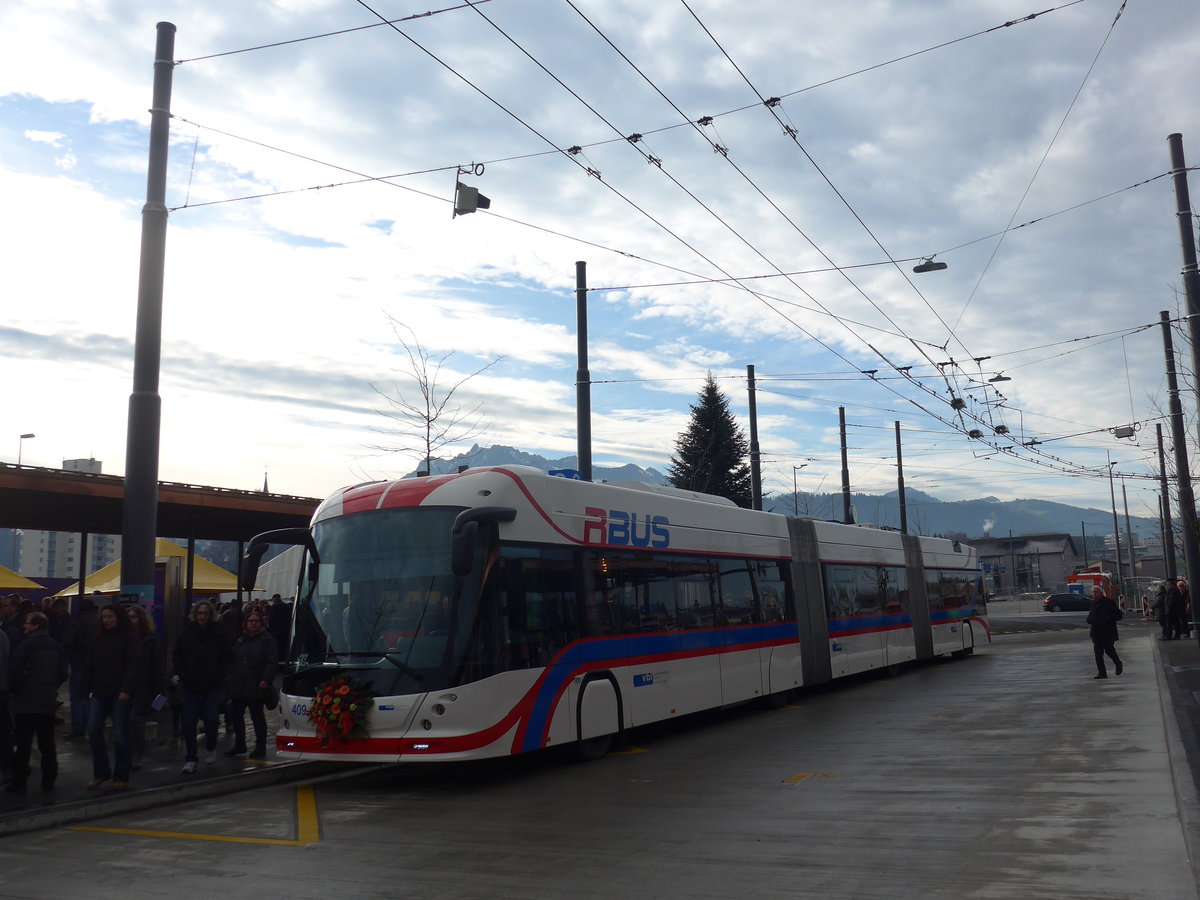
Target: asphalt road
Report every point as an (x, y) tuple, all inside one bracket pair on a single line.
[(1010, 774)]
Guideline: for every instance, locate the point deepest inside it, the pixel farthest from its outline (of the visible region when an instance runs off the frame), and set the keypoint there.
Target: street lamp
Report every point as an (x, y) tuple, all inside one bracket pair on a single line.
[(928, 265), (21, 445)]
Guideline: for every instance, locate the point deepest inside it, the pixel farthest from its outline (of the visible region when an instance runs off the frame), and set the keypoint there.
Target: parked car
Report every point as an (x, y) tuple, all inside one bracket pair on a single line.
[(1057, 602)]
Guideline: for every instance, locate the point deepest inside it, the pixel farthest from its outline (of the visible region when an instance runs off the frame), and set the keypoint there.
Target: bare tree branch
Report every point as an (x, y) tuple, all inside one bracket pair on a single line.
[(427, 415)]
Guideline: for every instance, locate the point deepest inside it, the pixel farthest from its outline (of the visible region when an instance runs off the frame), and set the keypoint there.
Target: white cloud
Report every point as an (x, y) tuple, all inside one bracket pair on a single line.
[(53, 138)]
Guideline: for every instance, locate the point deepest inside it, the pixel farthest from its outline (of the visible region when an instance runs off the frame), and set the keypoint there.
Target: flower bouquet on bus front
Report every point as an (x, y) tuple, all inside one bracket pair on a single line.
[(340, 709)]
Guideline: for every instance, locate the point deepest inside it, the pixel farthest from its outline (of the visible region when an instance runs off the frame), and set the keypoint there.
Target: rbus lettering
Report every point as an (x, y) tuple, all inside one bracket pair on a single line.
[(618, 528)]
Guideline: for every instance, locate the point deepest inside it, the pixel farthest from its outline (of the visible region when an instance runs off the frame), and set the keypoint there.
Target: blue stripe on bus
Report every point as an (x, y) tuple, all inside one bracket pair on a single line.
[(870, 623), (941, 616), (618, 649)]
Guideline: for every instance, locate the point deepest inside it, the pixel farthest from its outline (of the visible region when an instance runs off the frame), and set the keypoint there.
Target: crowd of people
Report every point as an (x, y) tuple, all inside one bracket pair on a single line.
[(117, 670), (1173, 608)]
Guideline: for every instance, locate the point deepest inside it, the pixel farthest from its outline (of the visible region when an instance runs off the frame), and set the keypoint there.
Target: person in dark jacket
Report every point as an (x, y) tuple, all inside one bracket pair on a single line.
[(1159, 609), (110, 679), (6, 742), (255, 657), (38, 668), (1103, 619), (200, 664), (1184, 623), (77, 642), (1175, 612), (153, 679)]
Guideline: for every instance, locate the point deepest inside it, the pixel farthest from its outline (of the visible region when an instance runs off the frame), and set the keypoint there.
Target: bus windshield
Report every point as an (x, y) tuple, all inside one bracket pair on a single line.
[(383, 598)]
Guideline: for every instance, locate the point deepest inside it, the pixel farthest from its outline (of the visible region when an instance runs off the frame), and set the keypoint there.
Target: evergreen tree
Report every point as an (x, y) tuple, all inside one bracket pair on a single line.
[(710, 456)]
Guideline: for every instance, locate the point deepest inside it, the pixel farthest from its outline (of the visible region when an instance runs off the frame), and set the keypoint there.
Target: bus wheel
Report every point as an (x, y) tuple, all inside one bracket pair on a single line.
[(778, 700), (593, 748)]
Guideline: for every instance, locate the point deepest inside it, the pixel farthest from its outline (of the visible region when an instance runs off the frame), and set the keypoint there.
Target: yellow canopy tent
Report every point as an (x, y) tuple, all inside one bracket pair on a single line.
[(11, 581), (208, 577)]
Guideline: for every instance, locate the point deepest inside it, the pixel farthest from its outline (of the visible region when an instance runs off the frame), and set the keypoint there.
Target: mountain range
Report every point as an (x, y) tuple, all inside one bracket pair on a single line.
[(926, 514)]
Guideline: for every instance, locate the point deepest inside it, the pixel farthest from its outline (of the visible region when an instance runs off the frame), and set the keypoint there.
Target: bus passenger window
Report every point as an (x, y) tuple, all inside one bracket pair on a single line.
[(739, 606), (539, 605), (772, 589)]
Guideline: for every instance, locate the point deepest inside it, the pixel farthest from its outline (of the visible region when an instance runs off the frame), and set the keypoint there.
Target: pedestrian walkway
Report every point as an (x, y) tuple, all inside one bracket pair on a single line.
[(159, 781), (1180, 664)]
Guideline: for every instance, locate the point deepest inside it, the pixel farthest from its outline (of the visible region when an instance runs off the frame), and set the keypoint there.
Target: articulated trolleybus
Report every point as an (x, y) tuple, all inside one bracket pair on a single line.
[(501, 610)]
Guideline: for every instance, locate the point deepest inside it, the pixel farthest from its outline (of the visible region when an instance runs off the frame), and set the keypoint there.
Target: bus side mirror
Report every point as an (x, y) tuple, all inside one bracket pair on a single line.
[(465, 533), (462, 548), (248, 570)]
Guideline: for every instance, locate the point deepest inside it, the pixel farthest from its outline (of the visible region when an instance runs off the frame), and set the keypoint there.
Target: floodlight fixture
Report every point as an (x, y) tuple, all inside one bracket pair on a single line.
[(467, 199)]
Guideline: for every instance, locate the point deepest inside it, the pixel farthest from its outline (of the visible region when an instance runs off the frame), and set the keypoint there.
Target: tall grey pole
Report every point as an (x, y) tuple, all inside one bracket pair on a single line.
[(140, 509), (1183, 475), (847, 510), (583, 378), (1012, 561), (900, 483), (1129, 534), (1187, 241), (755, 455), (1083, 531), (1165, 506), (1116, 527)]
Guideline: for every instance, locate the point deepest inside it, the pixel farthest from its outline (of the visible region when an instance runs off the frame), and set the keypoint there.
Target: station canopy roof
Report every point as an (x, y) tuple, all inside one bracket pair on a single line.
[(207, 577), (11, 581)]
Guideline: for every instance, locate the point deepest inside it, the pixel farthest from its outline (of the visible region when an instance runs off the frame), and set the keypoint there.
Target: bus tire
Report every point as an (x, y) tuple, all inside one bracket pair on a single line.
[(592, 749), (599, 692), (778, 700)]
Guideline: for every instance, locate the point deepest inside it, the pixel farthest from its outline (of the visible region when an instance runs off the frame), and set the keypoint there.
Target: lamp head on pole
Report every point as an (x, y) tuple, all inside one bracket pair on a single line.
[(21, 445), (928, 265)]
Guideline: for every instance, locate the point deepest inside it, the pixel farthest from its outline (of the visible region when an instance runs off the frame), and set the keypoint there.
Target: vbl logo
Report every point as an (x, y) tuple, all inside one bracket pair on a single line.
[(622, 529)]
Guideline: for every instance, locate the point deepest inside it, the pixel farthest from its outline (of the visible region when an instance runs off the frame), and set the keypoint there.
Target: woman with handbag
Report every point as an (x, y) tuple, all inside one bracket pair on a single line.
[(255, 657)]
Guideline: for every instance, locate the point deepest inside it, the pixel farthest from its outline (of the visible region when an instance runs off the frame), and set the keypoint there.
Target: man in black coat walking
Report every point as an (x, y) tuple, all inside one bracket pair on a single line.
[(1103, 618), (38, 668)]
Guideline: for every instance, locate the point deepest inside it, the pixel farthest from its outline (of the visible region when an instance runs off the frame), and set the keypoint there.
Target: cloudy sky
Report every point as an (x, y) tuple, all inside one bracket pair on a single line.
[(749, 183)]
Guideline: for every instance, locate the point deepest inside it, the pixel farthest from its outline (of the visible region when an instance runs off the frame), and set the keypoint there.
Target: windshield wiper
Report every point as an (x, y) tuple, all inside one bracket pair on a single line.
[(403, 667)]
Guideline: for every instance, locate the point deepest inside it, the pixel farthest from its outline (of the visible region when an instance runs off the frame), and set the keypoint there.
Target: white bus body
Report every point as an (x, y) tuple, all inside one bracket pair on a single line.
[(567, 612)]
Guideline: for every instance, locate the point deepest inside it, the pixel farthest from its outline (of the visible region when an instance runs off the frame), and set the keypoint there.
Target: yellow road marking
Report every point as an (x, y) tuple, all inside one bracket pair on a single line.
[(804, 776), (629, 749), (308, 827)]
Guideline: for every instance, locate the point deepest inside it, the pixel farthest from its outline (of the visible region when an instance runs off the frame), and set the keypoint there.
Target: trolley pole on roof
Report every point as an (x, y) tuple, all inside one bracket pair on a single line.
[(140, 509), (583, 378), (755, 454)]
